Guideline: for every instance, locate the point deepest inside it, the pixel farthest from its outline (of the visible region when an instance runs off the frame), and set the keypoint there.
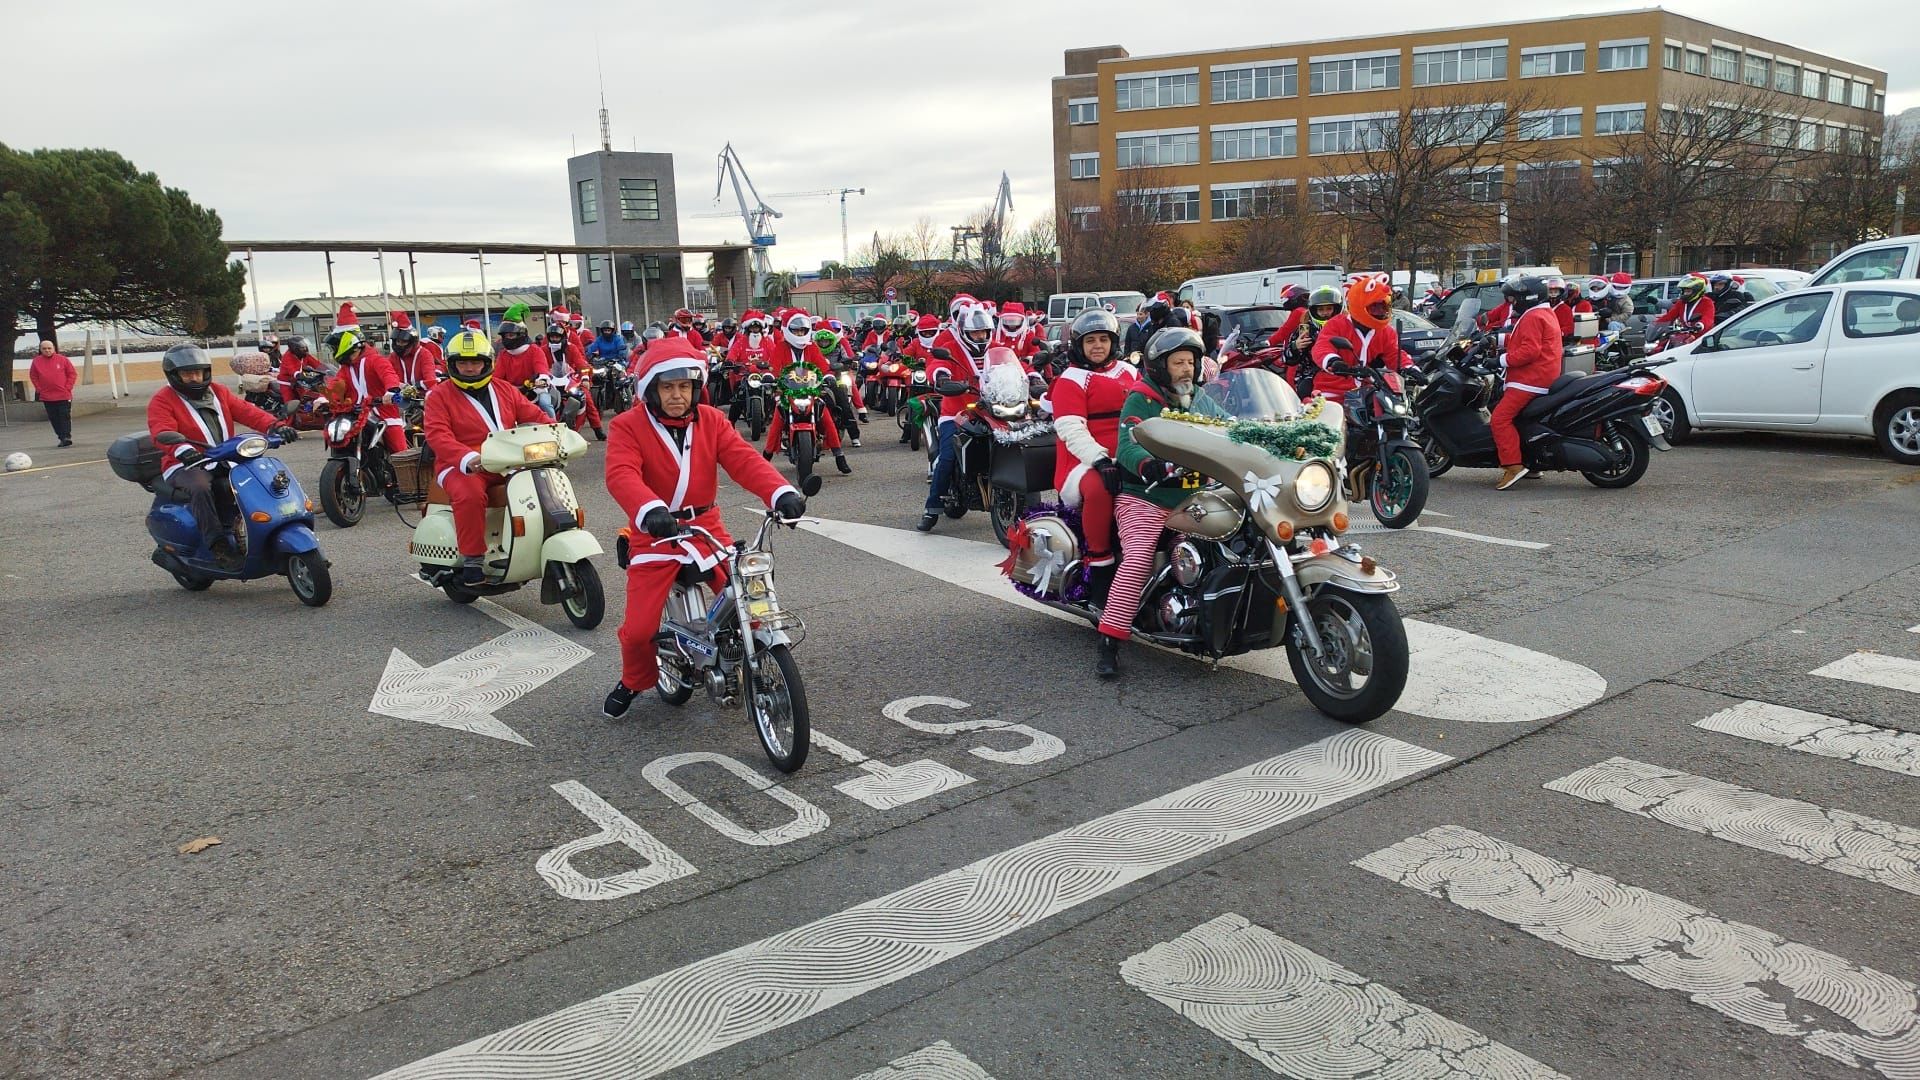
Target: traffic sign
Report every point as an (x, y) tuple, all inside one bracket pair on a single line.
[(890, 294)]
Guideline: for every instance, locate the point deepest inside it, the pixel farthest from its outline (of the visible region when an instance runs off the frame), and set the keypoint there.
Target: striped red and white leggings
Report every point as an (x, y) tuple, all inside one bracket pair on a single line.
[(1141, 524)]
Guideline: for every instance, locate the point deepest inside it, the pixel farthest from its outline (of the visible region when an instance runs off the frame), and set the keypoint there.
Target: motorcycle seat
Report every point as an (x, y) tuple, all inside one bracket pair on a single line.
[(1564, 389)]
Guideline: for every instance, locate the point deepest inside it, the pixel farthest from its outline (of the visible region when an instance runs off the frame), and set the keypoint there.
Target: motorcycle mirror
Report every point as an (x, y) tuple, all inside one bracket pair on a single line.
[(1341, 343), (941, 352), (169, 438), (811, 485)]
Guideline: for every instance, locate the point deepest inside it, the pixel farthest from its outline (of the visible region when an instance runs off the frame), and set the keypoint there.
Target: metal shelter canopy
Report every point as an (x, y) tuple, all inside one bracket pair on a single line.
[(468, 247)]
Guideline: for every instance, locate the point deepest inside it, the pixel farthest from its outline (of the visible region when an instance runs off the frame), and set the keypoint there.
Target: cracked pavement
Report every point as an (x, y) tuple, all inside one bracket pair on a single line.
[(375, 900)]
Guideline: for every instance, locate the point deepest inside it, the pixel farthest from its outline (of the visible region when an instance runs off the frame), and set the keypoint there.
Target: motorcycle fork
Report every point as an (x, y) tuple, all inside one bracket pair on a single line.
[(1296, 599)]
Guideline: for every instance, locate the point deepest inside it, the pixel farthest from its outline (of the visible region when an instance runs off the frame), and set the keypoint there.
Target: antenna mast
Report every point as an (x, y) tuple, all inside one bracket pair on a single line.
[(606, 135)]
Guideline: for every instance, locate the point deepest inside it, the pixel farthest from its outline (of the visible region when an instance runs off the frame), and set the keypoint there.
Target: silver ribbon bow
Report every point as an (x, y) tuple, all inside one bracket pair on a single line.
[(1049, 564), (1262, 493)]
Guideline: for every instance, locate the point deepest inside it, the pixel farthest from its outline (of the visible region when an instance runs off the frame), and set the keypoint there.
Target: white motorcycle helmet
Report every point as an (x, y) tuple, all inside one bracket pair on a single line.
[(798, 330)]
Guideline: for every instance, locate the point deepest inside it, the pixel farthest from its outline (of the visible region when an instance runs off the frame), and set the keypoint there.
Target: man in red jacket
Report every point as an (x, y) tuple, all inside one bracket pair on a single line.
[(53, 379), (460, 413), (1693, 306), (1367, 327), (205, 412), (564, 355), (1533, 361), (796, 346), (414, 361), (662, 468), (365, 380), (295, 360)]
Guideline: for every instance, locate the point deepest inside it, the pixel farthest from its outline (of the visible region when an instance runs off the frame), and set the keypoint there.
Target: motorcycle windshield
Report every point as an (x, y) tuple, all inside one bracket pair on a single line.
[(1247, 394)]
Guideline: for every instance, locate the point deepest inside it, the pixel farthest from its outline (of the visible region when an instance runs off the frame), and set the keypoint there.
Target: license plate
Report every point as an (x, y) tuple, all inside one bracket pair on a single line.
[(1654, 427)]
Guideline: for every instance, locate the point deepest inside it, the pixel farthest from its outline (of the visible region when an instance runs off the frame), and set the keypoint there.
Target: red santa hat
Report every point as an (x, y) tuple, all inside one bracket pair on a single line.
[(558, 315), (1013, 307), (926, 322), (669, 354), (472, 324), (346, 317), (399, 321)]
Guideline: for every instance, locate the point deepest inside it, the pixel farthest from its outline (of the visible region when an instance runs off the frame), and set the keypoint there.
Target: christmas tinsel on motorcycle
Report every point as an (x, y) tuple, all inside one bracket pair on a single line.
[(1294, 439), (1074, 588)]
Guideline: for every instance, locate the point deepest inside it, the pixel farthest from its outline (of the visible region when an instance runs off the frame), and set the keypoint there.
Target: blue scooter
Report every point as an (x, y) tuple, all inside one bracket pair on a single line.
[(277, 515)]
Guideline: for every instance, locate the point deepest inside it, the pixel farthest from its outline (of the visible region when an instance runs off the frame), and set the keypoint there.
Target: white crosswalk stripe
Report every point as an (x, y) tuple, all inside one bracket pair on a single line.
[(1864, 1017), (1306, 1017), (937, 1062), (1850, 844), (1815, 733), (1875, 669)]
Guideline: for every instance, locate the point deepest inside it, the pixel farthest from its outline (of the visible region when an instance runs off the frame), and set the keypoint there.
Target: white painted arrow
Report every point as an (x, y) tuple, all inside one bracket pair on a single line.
[(1454, 675), (464, 691)]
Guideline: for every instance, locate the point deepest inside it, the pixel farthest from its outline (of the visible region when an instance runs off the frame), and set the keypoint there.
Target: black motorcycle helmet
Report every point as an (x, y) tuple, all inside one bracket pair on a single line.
[(513, 335), (606, 330), (1093, 321), (556, 335), (1163, 344), (297, 345), (1524, 291), (185, 358), (404, 337)]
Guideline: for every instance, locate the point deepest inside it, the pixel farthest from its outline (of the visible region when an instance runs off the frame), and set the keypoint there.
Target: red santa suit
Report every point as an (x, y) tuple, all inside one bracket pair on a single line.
[(434, 351), (419, 365), (457, 422), (291, 366), (367, 381), (783, 355), (1022, 340), (1086, 416), (519, 367), (1700, 311), (957, 366), (573, 362), (654, 463), (168, 410), (1369, 345), (1533, 361)]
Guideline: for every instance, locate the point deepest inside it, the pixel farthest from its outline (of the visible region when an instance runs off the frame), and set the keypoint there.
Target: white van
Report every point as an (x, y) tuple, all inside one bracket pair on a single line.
[(1065, 307), (1255, 286), (1893, 259)]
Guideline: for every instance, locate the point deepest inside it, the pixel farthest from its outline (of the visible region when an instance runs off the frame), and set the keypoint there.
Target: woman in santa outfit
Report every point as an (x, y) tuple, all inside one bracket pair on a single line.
[(796, 346), (1010, 331), (662, 468), (460, 413), (1087, 400)]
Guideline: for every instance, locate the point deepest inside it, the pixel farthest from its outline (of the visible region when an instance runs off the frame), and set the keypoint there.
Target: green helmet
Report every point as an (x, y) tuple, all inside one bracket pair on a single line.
[(826, 339)]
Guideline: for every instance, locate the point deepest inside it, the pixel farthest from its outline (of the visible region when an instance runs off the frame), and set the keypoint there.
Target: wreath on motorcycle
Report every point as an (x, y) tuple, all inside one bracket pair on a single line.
[(1298, 439)]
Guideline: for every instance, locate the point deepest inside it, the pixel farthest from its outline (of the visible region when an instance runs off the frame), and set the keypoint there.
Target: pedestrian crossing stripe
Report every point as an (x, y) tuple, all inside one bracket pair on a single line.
[(1816, 733), (1834, 1007), (937, 1062), (1875, 669), (1850, 844), (1304, 1016)]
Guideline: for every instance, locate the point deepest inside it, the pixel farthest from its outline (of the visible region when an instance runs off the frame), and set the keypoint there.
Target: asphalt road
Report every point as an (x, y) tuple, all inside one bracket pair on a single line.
[(1580, 850)]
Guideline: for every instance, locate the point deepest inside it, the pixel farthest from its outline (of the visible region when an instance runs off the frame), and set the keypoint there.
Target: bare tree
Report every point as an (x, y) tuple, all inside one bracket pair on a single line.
[(1542, 223), (1035, 250), (924, 246), (882, 263), (1269, 231), (1131, 242)]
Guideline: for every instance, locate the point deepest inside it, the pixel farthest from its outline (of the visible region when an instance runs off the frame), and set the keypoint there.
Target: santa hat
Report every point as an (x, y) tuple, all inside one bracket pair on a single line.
[(1013, 307), (927, 322), (399, 321), (346, 317), (670, 353), (559, 315), (472, 324)]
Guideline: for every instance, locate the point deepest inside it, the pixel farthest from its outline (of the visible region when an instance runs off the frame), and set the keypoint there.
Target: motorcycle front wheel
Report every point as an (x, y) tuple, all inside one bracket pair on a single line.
[(1005, 508), (310, 578), (803, 456), (1398, 491), (342, 507), (1363, 667), (777, 705), (588, 604)]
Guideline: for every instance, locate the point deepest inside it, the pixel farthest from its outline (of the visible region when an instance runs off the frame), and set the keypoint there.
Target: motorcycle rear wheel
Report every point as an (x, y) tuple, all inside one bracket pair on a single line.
[(1397, 491), (341, 508), (1619, 437), (777, 705), (1365, 666)]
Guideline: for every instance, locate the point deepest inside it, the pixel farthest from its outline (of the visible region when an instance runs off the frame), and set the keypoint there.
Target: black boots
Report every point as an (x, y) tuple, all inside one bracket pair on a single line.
[(928, 520), (1107, 664), (840, 461), (1099, 580)]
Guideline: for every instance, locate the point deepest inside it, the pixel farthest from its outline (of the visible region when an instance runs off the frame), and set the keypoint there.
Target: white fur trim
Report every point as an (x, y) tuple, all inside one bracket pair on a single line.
[(642, 512), (1527, 388), (779, 491), (1070, 488), (467, 462), (441, 476), (1073, 431)]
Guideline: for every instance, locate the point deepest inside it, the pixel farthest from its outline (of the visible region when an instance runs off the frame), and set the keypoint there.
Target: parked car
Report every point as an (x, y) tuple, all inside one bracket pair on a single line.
[(1065, 307), (1253, 287), (1835, 359), (1892, 259), (1781, 280), (1418, 336)]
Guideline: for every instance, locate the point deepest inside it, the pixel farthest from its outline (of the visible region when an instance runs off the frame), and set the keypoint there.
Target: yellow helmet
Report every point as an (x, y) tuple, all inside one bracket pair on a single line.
[(343, 342), (469, 344)]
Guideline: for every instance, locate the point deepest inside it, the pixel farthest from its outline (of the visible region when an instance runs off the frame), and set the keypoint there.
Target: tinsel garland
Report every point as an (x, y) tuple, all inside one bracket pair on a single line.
[(1025, 433), (1295, 439), (1074, 590)]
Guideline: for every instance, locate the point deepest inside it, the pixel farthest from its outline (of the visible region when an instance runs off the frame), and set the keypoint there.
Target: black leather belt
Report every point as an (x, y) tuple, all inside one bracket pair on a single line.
[(692, 512)]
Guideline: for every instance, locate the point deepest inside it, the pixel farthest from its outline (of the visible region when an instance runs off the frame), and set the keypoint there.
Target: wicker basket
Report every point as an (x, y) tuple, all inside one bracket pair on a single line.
[(412, 470)]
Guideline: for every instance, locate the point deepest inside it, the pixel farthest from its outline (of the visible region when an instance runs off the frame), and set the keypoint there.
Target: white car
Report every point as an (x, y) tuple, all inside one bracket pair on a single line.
[(1876, 260), (1782, 280), (1834, 359)]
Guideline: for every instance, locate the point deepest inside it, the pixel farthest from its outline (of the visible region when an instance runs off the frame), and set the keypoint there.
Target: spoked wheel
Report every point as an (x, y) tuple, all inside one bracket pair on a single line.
[(586, 605), (1399, 488), (1631, 447), (343, 507), (1005, 508), (777, 705), (310, 577), (1363, 667)]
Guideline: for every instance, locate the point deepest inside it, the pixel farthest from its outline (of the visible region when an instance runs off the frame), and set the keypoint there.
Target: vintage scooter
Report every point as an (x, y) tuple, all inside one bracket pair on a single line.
[(536, 528), (275, 516)]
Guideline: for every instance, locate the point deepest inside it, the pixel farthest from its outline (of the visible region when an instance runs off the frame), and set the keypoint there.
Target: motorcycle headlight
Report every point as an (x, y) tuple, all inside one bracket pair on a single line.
[(1010, 412), (1313, 487), (338, 427), (540, 451), (754, 381), (919, 376), (755, 564), (251, 447), (803, 403)]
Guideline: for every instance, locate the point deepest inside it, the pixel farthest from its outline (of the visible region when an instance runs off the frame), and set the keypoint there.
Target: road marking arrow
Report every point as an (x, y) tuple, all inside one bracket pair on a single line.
[(1454, 675), (464, 691)]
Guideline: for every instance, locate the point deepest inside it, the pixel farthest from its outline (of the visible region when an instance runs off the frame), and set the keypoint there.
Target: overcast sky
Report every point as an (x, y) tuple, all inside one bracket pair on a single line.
[(452, 119)]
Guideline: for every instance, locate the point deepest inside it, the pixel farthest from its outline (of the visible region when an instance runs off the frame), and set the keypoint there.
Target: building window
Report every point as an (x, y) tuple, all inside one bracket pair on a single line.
[(1836, 90), (1549, 124), (1786, 77), (1618, 258), (1780, 132), (1333, 195), (1879, 102), (1084, 166), (593, 268), (1168, 206), (1810, 84), (589, 202), (1150, 150), (644, 268), (1755, 73), (1083, 111), (1346, 135), (1619, 119), (1670, 57), (1256, 83), (640, 200), (1726, 64), (1156, 91), (1084, 218), (1552, 60), (1465, 64), (1809, 134), (1696, 61), (1460, 125), (1354, 74), (1836, 135), (1255, 143), (1555, 175), (1621, 56), (1484, 185), (1236, 201), (1856, 141)]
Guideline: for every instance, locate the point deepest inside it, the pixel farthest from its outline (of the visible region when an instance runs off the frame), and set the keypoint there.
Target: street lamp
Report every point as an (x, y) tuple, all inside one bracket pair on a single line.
[(1899, 211), (1056, 270), (1504, 261)]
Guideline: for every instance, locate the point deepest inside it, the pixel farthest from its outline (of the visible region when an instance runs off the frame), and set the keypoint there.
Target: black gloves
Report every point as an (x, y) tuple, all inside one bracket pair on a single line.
[(187, 455), (1110, 475), (285, 434), (660, 522), (790, 504)]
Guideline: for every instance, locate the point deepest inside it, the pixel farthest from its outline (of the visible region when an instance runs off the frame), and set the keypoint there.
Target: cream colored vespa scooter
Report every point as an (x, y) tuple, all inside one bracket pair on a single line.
[(535, 527)]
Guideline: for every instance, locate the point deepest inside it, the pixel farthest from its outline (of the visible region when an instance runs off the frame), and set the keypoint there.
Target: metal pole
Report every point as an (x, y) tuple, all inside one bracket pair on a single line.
[(613, 283), (844, 256), (329, 258), (546, 275), (386, 305), (1900, 210), (120, 388), (1504, 261), (413, 275), (253, 279), (486, 300), (562, 261)]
